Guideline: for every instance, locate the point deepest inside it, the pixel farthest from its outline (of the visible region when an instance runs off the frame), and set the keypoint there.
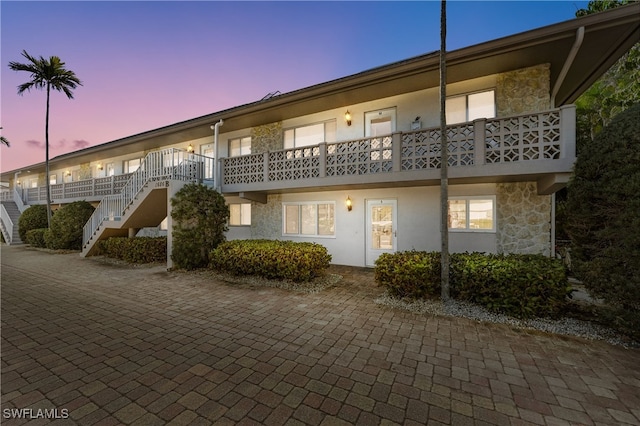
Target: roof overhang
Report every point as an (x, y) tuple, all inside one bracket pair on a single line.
[(607, 36)]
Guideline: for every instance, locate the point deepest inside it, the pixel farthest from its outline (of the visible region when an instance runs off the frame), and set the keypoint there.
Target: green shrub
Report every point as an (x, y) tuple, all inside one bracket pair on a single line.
[(34, 217), (200, 217), (67, 224), (518, 285), (35, 237), (603, 214), (271, 259), (135, 250), (412, 274), (522, 286)]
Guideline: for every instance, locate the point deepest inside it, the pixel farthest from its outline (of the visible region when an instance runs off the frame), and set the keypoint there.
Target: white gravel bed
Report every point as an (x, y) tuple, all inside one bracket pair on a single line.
[(563, 326)]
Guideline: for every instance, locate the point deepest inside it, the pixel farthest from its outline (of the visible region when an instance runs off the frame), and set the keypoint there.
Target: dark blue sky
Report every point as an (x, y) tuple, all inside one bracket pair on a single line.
[(150, 64)]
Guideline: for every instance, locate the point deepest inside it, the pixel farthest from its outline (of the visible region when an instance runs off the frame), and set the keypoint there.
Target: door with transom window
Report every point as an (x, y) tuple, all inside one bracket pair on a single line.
[(381, 234)]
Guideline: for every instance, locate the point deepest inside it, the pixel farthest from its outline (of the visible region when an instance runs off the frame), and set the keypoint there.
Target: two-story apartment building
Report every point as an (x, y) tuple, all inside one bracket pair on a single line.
[(354, 163)]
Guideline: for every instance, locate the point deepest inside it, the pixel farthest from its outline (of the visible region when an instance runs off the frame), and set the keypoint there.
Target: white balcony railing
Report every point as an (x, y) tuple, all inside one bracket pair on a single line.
[(532, 138), (95, 189), (169, 164)]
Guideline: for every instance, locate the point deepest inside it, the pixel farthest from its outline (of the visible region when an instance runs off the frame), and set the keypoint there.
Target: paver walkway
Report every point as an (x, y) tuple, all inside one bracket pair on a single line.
[(106, 344)]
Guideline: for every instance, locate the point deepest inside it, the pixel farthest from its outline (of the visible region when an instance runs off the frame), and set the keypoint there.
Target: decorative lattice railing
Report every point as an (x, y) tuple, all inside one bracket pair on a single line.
[(517, 139)]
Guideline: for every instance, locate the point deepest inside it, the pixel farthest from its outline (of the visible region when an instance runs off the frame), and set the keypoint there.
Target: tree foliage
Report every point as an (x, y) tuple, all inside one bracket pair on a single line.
[(34, 217), (200, 217), (603, 209), (67, 226), (49, 74), (616, 91)]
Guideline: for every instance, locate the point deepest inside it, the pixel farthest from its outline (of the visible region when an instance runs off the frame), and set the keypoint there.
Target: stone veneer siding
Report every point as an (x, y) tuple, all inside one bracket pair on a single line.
[(523, 91), (266, 138), (266, 219), (524, 219)]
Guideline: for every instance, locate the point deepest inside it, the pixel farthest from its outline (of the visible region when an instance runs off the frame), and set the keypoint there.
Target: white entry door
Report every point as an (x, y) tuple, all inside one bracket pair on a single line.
[(381, 228)]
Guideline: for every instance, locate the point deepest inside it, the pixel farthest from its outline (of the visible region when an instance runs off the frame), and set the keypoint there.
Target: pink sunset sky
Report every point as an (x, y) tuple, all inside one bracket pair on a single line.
[(147, 64)]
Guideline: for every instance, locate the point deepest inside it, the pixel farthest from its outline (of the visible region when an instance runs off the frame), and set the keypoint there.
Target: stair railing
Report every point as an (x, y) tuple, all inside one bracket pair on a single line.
[(172, 163), (7, 224)]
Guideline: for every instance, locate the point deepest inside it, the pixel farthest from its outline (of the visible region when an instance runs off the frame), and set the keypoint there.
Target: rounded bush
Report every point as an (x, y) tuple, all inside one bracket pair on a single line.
[(603, 209), (34, 217), (200, 217), (412, 274), (36, 237), (67, 224), (272, 259)]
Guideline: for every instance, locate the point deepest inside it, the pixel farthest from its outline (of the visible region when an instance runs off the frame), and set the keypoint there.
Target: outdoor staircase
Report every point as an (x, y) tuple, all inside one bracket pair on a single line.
[(10, 230), (143, 200)]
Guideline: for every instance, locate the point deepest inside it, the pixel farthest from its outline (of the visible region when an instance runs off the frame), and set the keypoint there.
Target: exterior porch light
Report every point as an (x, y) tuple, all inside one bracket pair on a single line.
[(190, 148), (99, 166), (349, 204), (347, 118), (67, 173)]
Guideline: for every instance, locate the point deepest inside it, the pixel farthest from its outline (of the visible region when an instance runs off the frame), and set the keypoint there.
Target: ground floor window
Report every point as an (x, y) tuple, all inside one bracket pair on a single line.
[(309, 219), (472, 213), (240, 214)]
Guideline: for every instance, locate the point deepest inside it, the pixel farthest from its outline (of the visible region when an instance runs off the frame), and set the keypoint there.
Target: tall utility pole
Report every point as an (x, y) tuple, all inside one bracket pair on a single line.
[(444, 158)]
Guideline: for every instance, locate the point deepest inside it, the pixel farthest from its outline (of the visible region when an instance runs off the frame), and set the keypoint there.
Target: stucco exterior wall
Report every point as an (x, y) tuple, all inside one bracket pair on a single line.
[(523, 91), (418, 223), (524, 219)]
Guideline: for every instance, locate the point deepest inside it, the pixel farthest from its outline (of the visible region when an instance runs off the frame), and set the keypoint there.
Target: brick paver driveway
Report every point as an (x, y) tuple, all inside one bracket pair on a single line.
[(105, 344)]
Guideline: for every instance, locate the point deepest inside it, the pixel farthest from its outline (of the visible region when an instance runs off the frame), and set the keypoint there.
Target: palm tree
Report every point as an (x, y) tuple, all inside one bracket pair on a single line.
[(50, 74), (444, 159)]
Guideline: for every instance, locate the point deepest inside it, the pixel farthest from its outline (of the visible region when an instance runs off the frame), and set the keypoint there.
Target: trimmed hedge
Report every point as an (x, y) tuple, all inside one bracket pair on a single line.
[(135, 250), (36, 237), (413, 274), (520, 285), (272, 259), (523, 286)]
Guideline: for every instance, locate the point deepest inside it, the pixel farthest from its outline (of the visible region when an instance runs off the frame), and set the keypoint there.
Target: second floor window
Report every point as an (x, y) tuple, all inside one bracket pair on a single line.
[(239, 146), (312, 134), (472, 106), (130, 166)]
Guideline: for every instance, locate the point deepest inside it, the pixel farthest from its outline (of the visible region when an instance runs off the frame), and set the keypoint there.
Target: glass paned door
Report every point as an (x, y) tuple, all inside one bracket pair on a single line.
[(207, 151), (381, 229)]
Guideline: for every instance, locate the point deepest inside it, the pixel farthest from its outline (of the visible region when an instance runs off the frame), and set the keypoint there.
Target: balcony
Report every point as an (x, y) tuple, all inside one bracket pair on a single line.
[(168, 162), (538, 147), (88, 189)]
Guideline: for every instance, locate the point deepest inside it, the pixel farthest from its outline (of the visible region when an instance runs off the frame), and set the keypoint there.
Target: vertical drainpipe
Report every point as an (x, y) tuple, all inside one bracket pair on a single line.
[(216, 165)]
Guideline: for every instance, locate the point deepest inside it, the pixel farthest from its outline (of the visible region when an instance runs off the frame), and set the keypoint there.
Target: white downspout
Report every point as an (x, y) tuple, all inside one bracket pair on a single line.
[(216, 133), (567, 65)]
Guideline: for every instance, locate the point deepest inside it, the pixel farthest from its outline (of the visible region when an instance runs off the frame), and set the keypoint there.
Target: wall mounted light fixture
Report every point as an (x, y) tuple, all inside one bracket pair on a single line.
[(349, 203), (99, 166), (347, 118), (190, 148), (67, 173)]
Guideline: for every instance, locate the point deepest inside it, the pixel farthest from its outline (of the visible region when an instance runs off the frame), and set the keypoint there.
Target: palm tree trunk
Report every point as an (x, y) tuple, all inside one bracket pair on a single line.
[(444, 179), (46, 148)]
